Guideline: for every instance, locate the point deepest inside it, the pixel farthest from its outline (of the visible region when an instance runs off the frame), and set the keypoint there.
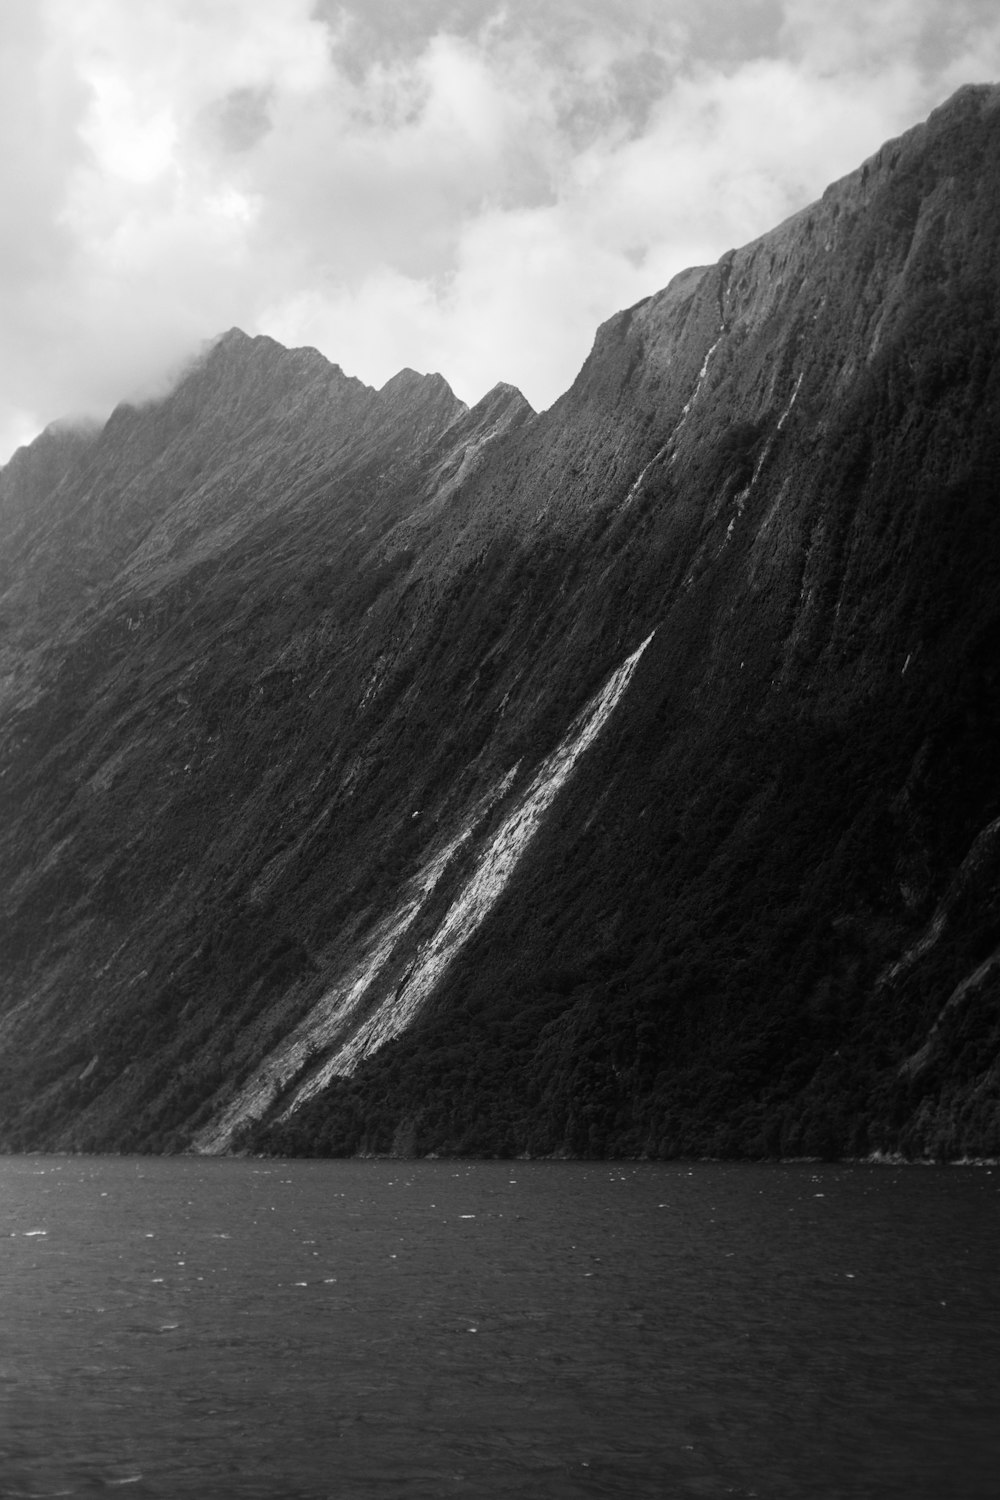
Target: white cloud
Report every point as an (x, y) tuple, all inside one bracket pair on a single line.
[(468, 189)]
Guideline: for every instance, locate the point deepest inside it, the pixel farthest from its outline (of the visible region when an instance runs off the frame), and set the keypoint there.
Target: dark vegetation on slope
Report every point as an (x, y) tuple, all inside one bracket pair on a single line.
[(740, 928)]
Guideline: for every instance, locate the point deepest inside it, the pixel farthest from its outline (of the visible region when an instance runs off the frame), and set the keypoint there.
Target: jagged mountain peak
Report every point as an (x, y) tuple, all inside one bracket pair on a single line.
[(410, 388), (235, 344), (425, 404), (968, 99), (408, 380), (233, 338), (503, 397), (238, 361), (404, 379)]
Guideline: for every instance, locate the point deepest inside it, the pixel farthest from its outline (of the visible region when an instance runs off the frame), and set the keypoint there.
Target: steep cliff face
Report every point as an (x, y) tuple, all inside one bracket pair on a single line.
[(379, 774)]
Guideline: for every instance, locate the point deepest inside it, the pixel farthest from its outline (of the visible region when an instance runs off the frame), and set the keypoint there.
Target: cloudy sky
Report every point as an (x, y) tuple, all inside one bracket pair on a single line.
[(468, 186)]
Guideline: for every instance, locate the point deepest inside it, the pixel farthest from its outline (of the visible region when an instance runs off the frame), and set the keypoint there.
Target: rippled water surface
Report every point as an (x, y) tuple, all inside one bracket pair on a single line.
[(214, 1328)]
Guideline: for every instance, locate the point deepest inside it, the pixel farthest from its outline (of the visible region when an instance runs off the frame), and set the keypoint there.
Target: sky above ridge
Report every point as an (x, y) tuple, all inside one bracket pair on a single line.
[(454, 185)]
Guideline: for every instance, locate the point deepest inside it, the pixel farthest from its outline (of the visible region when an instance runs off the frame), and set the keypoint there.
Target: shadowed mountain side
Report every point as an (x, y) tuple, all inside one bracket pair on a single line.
[(284, 656)]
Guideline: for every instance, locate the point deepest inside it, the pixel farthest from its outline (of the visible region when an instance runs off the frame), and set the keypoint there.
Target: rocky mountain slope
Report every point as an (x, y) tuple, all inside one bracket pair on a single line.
[(383, 775)]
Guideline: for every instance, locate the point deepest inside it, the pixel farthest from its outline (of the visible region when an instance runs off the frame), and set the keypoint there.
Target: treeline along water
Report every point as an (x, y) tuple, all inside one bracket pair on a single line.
[(365, 1330)]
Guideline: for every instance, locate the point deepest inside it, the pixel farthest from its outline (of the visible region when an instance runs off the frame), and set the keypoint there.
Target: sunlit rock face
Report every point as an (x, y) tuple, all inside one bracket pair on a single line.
[(379, 774)]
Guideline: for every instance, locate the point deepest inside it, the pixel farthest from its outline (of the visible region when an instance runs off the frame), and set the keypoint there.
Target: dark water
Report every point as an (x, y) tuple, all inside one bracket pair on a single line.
[(373, 1329)]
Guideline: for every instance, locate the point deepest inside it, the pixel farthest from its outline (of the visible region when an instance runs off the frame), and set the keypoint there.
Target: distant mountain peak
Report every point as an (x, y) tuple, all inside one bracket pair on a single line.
[(503, 394), (982, 97), (430, 396), (233, 337), (407, 380)]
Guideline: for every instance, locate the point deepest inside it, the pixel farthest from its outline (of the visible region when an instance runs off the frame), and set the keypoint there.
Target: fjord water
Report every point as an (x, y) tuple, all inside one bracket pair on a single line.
[(235, 1328)]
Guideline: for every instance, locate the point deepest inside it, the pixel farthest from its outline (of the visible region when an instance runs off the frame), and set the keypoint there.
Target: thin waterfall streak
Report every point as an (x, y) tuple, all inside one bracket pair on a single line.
[(335, 1009), (339, 1009), (641, 476), (482, 890)]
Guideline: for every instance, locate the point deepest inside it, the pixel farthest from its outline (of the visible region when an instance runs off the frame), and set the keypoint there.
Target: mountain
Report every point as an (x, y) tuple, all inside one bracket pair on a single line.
[(381, 775)]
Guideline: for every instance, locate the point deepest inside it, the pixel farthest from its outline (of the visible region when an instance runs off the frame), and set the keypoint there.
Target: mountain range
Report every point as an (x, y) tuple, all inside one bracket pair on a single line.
[(381, 775)]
